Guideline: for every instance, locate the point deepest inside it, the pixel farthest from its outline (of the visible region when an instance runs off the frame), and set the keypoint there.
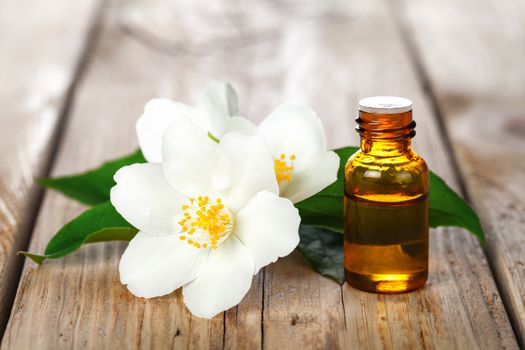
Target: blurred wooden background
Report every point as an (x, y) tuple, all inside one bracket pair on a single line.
[(76, 74)]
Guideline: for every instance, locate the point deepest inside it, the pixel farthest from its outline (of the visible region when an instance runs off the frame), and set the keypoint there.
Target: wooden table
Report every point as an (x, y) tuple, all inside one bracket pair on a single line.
[(76, 74)]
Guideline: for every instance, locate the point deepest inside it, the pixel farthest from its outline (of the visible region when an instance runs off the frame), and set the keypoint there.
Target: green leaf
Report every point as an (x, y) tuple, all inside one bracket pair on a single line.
[(98, 224), (322, 245), (325, 209), (447, 208), (324, 250), (92, 187)]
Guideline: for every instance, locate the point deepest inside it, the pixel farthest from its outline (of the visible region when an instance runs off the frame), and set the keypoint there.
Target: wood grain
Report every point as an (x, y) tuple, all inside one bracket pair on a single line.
[(327, 54), (346, 58), (478, 80), (41, 44)]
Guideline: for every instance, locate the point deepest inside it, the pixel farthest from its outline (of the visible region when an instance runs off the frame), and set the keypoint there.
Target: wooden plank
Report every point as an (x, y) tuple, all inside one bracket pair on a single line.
[(85, 304), (473, 53), (326, 54), (41, 44), (344, 59)]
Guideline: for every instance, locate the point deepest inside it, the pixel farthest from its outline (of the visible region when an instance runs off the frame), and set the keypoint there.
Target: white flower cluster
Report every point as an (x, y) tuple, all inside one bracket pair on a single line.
[(214, 203)]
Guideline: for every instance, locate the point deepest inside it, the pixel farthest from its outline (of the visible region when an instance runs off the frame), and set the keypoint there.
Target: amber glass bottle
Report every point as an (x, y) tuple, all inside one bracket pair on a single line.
[(386, 201)]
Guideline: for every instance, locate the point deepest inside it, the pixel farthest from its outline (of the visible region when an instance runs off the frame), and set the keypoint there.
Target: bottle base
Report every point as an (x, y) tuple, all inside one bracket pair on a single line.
[(386, 283)]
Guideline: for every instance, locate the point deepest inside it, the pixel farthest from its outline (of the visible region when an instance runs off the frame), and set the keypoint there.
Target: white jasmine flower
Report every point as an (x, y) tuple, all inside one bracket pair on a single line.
[(216, 112), (296, 139), (209, 217), (303, 166)]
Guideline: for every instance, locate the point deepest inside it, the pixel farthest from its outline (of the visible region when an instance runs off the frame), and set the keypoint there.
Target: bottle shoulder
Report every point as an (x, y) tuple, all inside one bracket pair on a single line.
[(408, 161), (405, 174)]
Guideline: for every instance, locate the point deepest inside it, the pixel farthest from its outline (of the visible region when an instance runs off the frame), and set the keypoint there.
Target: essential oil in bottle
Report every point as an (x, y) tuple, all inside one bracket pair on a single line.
[(386, 201)]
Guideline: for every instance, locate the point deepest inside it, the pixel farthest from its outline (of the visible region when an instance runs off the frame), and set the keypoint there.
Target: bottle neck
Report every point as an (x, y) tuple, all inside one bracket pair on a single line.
[(385, 135), (383, 148)]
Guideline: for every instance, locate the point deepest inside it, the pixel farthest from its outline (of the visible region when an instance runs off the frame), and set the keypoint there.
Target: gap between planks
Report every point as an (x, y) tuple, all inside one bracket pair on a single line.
[(36, 198), (426, 87), (275, 320), (405, 27)]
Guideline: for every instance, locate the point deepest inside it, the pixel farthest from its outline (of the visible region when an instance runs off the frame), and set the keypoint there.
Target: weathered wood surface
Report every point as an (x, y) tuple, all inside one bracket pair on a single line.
[(41, 45), (327, 54), (478, 79)]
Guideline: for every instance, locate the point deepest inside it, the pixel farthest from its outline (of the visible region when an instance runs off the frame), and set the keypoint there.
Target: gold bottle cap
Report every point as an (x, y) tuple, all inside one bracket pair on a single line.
[(385, 105)]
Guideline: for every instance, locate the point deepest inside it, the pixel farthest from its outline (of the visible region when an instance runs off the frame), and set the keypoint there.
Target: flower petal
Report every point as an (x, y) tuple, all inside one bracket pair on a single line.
[(292, 128), (145, 199), (269, 227), (312, 180), (296, 130), (251, 168), (241, 124), (158, 115), (193, 162), (153, 266), (214, 107), (222, 282)]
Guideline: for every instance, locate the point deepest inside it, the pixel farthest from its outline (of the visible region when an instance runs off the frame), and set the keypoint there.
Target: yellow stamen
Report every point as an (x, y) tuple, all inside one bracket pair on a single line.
[(209, 222), (283, 169)]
